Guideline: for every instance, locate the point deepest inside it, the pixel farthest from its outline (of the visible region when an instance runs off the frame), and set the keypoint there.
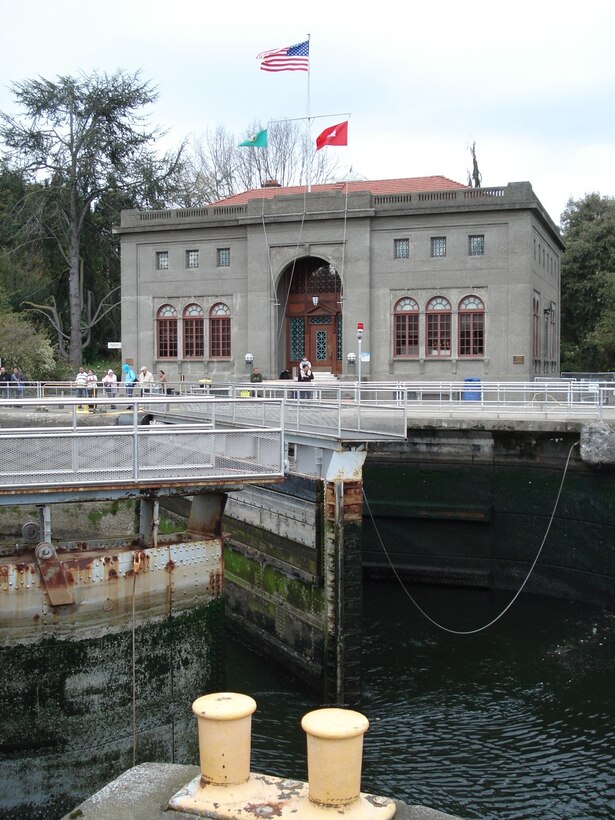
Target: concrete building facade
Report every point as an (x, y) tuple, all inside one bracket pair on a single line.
[(449, 282)]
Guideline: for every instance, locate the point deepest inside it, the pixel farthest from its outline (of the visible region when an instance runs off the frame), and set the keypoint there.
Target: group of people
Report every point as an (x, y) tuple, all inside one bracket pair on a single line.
[(12, 383), (86, 382)]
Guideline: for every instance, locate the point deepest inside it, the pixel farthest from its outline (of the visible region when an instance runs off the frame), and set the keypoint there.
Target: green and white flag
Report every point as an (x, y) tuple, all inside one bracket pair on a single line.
[(257, 141)]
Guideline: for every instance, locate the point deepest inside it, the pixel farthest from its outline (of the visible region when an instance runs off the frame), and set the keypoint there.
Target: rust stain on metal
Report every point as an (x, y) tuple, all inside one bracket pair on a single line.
[(216, 582), (272, 809), (53, 575), (352, 501), (169, 566)]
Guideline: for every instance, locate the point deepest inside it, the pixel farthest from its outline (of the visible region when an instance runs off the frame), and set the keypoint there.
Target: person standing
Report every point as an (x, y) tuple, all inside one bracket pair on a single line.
[(130, 377), (305, 375), (81, 380), (146, 380), (5, 378), (91, 382), (162, 381), (109, 382), (256, 376), (18, 383)]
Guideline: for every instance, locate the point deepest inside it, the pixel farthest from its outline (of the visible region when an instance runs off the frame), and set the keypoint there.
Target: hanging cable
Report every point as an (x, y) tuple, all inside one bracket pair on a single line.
[(515, 596)]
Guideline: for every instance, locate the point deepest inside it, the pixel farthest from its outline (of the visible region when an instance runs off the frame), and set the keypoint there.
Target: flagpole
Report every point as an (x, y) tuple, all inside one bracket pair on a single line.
[(308, 126)]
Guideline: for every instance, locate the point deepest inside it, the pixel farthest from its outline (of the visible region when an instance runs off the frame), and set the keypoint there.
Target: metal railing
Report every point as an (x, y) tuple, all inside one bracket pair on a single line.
[(64, 443)]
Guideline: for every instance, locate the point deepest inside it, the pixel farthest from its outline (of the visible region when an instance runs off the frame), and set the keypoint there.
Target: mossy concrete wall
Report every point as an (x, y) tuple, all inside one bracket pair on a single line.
[(473, 507)]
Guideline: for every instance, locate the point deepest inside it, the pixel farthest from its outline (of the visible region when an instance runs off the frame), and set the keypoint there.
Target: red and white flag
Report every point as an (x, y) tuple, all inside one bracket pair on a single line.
[(334, 135)]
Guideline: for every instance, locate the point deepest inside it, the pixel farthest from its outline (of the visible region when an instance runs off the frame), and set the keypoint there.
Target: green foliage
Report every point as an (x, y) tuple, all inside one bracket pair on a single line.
[(82, 151), (22, 346), (588, 292)]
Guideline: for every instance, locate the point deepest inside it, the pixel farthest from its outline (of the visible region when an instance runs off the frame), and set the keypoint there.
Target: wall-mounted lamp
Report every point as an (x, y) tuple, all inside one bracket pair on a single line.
[(315, 300), (249, 357), (352, 358)]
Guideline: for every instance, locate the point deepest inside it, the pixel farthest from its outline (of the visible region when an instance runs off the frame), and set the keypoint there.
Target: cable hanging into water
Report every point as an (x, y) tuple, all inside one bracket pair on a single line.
[(515, 596)]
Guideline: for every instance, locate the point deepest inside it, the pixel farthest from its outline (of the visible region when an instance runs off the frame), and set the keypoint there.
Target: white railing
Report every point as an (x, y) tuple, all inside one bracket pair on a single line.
[(62, 443)]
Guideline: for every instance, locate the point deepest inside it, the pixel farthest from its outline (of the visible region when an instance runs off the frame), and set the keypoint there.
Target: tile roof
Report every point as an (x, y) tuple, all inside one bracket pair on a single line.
[(374, 186)]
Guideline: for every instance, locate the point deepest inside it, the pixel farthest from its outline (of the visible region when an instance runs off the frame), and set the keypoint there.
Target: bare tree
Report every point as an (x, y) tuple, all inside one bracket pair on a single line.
[(216, 167), (474, 177)]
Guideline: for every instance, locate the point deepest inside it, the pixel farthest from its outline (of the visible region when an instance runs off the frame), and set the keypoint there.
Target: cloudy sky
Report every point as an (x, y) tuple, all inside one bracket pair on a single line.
[(532, 83)]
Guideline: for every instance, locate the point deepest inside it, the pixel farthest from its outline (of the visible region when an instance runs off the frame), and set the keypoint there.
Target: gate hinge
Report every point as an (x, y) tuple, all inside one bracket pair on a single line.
[(53, 575)]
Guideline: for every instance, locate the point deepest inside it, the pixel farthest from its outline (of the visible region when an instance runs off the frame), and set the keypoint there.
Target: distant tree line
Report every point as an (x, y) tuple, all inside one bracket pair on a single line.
[(81, 151)]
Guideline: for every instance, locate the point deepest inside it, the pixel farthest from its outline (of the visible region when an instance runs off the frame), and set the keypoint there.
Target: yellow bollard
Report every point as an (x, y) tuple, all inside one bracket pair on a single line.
[(335, 752), (225, 734)]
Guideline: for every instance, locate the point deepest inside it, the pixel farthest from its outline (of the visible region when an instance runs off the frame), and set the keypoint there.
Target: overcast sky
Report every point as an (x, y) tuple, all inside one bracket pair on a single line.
[(532, 83)]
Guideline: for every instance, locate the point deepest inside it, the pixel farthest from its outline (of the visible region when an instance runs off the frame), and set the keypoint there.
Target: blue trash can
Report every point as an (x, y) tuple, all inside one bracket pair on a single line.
[(471, 395)]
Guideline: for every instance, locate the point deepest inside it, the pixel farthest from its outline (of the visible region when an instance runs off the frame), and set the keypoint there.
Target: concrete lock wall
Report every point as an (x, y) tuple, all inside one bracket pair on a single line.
[(451, 506), (293, 579)]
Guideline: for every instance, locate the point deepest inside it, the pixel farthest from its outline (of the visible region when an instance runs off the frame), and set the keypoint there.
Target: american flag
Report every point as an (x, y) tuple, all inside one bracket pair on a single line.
[(291, 58)]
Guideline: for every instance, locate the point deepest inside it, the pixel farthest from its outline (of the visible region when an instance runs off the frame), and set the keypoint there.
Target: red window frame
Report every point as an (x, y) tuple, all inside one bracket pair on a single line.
[(471, 327), (194, 332), (406, 329), (439, 323), (166, 332), (220, 332)]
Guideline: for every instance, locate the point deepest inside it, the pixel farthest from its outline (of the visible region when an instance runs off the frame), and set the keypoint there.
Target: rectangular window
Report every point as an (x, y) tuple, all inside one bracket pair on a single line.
[(192, 259), (167, 338), (476, 245), (224, 257), (194, 345), (220, 338), (439, 334), (406, 334), (438, 246), (401, 248), (162, 260), (471, 334)]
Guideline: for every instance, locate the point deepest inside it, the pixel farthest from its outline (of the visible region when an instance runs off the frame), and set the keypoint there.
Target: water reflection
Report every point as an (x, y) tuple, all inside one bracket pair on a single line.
[(513, 722)]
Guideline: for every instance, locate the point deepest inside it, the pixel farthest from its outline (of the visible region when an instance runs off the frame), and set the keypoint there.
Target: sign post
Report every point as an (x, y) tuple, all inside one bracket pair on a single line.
[(359, 340)]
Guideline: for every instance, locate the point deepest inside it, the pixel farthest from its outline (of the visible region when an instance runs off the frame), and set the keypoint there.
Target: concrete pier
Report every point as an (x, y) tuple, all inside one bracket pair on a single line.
[(143, 793)]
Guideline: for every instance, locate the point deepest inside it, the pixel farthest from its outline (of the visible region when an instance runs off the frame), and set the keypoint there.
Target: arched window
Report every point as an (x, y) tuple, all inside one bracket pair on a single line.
[(406, 333), (166, 332), (438, 327), (220, 331), (194, 332), (471, 327)]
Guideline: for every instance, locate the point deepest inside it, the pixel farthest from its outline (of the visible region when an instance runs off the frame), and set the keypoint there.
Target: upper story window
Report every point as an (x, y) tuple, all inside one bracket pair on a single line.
[(438, 246), (224, 257), (406, 327), (476, 245), (471, 327), (166, 332), (194, 336), (162, 260), (438, 327), (192, 259), (220, 331), (401, 248)]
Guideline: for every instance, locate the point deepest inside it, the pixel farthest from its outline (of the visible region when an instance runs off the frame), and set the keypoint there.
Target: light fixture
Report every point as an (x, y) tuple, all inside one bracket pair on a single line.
[(249, 357), (315, 300), (351, 357)]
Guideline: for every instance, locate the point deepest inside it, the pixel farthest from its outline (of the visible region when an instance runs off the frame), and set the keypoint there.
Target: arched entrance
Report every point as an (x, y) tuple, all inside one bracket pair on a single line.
[(310, 292)]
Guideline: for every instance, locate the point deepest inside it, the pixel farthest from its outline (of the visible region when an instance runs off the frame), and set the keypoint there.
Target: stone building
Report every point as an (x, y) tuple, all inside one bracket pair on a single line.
[(449, 282)]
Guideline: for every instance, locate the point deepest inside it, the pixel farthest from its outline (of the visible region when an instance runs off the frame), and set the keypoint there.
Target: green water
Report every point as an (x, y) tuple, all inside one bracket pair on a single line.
[(517, 721)]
